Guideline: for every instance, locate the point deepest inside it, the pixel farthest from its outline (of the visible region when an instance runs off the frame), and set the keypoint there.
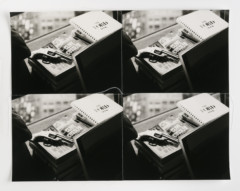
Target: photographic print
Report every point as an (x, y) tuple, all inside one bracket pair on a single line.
[(120, 95), (179, 50), (65, 52), (170, 136)]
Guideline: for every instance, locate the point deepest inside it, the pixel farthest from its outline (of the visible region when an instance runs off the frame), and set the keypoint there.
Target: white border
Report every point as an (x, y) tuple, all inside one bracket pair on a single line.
[(46, 5)]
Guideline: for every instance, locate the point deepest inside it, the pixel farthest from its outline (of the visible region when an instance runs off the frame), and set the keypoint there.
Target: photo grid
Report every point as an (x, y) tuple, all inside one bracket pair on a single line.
[(120, 95)]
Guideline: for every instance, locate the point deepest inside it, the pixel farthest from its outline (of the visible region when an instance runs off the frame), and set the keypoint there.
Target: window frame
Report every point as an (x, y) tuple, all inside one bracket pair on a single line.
[(223, 14), (116, 15), (116, 99), (222, 99)]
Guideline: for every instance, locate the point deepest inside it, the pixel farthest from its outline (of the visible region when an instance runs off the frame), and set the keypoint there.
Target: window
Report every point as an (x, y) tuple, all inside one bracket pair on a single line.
[(31, 25), (138, 107), (142, 23), (35, 107), (50, 27), (138, 24), (51, 110)]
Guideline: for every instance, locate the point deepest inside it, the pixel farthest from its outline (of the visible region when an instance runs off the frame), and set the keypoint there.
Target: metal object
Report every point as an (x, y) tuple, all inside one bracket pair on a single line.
[(157, 53), (158, 135), (50, 55), (161, 134), (51, 138), (63, 138)]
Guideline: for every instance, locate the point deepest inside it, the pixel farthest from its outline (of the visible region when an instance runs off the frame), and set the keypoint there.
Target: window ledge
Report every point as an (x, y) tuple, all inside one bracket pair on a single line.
[(149, 39), (154, 120), (46, 122), (43, 40)]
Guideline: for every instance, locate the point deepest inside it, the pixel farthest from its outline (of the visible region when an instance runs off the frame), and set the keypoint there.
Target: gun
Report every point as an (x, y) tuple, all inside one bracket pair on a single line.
[(50, 55), (158, 54), (157, 135), (52, 138)]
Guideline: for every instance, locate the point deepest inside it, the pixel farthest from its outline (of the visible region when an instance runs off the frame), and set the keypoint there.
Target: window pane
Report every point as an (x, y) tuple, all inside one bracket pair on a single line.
[(38, 106), (141, 23), (141, 106), (35, 107), (34, 24)]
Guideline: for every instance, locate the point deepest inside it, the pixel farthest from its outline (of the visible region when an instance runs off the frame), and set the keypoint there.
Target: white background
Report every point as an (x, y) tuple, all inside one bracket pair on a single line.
[(73, 5)]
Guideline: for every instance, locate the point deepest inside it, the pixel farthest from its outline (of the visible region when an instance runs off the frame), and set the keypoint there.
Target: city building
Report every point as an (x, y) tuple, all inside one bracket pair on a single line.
[(34, 107), (140, 23), (141, 106)]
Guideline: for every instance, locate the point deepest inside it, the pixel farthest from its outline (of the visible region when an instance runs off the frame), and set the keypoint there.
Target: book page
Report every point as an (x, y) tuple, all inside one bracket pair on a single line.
[(203, 107), (97, 107), (202, 23), (96, 24)]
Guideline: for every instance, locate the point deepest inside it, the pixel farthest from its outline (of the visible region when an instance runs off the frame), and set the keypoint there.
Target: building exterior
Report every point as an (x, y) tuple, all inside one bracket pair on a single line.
[(141, 106), (35, 107), (33, 24), (140, 23)]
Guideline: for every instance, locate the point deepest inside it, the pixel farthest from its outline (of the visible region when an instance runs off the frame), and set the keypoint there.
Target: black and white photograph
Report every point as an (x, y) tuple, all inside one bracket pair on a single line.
[(66, 52), (157, 136), (108, 127), (69, 137), (181, 136), (135, 51), (179, 50), (130, 95)]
